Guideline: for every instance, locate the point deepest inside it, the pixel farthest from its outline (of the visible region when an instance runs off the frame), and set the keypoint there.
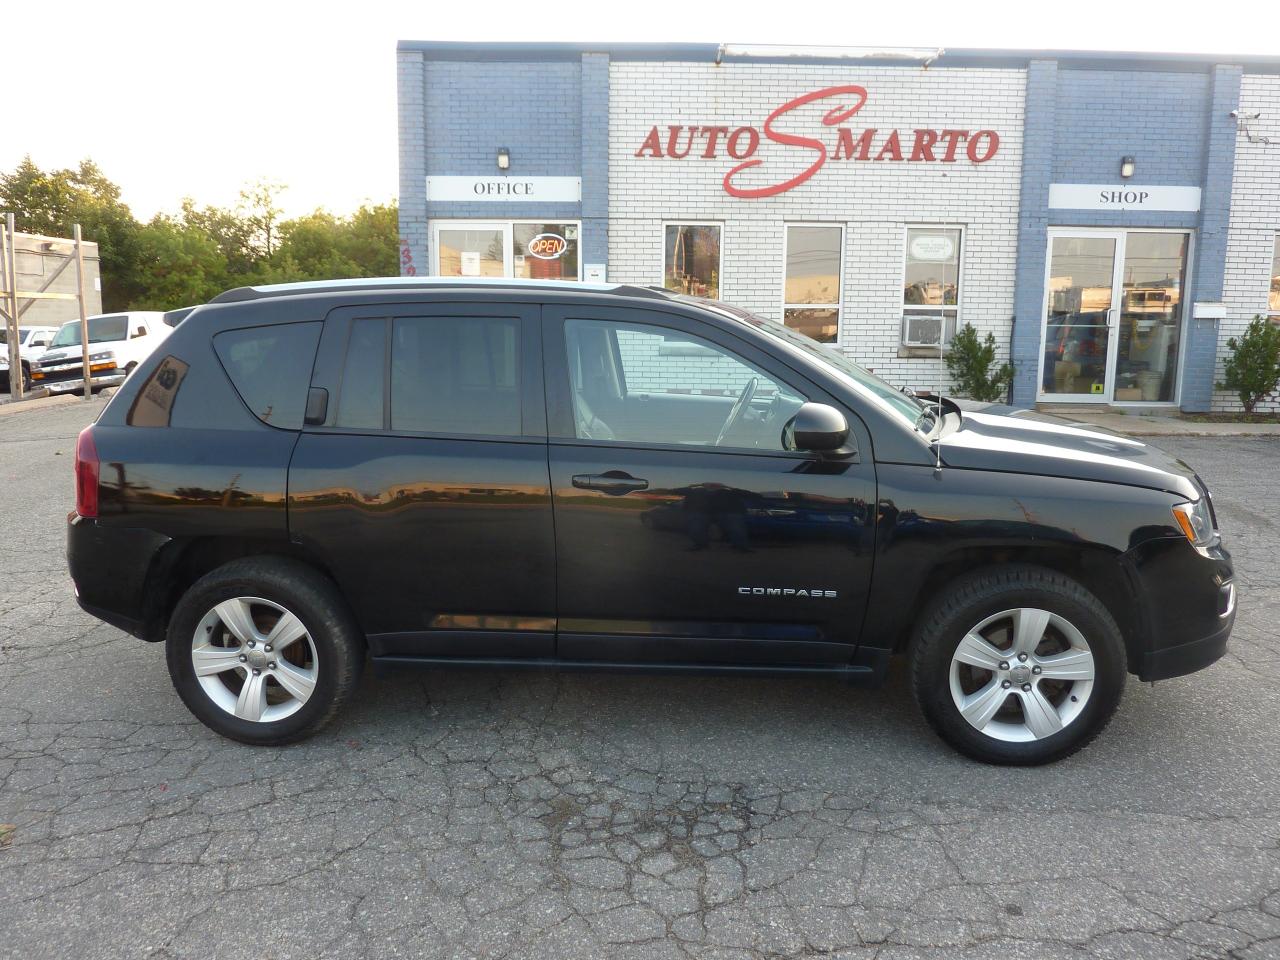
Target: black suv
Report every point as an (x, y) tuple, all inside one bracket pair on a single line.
[(507, 474)]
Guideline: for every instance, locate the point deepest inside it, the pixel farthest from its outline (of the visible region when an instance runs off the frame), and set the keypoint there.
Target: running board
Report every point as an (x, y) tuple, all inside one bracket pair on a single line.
[(850, 673)]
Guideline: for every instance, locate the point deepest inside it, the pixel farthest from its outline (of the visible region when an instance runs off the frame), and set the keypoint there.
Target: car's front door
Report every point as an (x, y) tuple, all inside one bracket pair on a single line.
[(423, 487), (685, 532)]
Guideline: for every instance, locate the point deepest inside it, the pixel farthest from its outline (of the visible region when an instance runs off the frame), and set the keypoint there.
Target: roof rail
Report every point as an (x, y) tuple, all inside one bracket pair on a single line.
[(425, 283)]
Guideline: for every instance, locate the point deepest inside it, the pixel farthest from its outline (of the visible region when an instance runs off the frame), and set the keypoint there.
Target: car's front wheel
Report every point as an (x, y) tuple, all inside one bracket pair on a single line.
[(1018, 665), (264, 651)]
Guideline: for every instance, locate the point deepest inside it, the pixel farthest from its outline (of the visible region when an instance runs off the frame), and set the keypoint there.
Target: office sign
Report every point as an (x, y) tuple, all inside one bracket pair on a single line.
[(1124, 196), (498, 189)]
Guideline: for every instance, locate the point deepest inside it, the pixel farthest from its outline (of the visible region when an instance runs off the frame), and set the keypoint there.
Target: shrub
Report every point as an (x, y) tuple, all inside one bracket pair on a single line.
[(969, 361), (1253, 363)]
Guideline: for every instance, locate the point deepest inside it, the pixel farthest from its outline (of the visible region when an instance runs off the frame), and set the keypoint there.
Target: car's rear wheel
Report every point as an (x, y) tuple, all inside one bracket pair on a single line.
[(1018, 666), (264, 650)]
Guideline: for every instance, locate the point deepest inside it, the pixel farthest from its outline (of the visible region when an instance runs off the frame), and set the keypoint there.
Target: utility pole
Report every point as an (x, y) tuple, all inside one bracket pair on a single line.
[(11, 309), (84, 319)]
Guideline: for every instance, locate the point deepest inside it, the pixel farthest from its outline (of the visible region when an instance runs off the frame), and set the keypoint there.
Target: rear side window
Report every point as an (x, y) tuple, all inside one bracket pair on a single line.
[(456, 375), (271, 369)]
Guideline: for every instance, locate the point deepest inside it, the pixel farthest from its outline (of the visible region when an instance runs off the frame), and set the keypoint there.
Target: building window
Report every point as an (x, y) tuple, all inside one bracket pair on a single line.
[(931, 285), (545, 251), (507, 248), (1273, 293), (691, 259), (811, 291)]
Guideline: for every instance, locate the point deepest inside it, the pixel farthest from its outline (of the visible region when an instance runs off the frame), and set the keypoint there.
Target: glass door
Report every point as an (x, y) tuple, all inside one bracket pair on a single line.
[(1150, 328), (1080, 309)]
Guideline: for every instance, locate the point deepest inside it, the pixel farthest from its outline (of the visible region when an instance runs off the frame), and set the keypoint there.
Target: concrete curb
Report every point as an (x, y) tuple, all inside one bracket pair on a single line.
[(1138, 426), (40, 403)]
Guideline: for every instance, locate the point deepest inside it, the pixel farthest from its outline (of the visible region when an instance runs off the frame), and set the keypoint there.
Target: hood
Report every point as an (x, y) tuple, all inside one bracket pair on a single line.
[(1023, 441), (62, 354)]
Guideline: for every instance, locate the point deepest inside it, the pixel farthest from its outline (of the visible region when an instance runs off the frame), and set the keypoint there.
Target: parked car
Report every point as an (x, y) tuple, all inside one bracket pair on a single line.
[(469, 474), (118, 342), (32, 342), (174, 317)]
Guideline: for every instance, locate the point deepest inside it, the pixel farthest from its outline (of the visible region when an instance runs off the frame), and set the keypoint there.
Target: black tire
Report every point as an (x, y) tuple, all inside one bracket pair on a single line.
[(26, 377), (314, 600), (985, 593)]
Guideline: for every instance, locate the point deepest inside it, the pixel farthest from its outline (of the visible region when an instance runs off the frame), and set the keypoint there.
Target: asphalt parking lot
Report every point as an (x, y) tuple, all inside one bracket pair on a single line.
[(524, 815)]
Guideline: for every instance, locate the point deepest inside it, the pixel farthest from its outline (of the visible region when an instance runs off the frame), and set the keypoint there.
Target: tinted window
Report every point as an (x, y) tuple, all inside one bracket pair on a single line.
[(633, 382), (101, 330), (360, 404), (456, 375), (271, 369)]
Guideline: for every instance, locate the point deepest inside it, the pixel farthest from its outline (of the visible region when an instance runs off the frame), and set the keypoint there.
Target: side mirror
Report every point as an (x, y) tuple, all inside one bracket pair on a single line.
[(817, 428)]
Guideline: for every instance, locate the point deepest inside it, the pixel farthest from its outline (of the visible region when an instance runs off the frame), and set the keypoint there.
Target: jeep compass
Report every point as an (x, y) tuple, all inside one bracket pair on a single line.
[(503, 474)]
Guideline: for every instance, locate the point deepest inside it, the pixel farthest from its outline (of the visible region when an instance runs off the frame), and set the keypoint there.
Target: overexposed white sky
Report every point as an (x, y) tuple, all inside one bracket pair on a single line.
[(195, 99)]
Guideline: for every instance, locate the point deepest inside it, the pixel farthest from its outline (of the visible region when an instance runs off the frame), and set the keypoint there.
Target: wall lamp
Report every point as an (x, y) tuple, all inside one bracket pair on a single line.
[(1127, 165), (504, 158)]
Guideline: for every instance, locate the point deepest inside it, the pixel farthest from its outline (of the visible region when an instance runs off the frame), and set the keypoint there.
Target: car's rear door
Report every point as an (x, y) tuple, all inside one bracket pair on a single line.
[(679, 540), (424, 486)]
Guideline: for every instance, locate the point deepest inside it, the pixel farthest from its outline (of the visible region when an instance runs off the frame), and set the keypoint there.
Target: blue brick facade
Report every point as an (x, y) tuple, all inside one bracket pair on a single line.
[(1080, 123), (552, 116)]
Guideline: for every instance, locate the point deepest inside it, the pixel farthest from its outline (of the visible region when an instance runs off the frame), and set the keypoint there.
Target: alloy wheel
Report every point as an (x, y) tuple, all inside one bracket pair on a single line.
[(254, 659), (1022, 675)]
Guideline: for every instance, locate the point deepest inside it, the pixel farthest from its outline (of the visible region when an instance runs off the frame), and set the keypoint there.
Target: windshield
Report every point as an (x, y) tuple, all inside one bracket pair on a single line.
[(904, 406), (101, 330)]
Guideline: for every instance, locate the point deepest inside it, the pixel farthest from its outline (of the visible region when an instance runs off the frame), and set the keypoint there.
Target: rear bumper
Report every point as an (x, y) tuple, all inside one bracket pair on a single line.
[(110, 567)]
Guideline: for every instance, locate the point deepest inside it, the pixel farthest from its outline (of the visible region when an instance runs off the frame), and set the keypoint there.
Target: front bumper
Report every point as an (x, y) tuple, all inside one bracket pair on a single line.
[(67, 377), (1185, 658), (1188, 599)]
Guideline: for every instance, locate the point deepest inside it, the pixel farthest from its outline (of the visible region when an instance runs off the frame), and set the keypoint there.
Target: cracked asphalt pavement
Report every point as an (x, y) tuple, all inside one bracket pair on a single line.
[(527, 815)]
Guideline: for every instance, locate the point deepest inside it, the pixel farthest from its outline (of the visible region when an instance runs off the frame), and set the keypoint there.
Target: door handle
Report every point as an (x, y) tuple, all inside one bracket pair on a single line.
[(613, 482)]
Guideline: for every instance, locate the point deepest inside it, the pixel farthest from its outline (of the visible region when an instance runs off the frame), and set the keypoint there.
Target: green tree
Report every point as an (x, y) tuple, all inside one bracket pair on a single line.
[(179, 265), (188, 257), (49, 202), (969, 361), (1253, 363)]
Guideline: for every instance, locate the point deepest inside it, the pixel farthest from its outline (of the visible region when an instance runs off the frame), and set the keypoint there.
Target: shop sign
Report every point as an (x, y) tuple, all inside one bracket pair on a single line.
[(932, 247), (1125, 196), (681, 142), (505, 189), (547, 246)]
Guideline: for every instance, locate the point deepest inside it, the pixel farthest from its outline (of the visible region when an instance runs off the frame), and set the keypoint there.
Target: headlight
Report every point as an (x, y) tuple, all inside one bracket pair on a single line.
[(1196, 522), (98, 357), (35, 364)]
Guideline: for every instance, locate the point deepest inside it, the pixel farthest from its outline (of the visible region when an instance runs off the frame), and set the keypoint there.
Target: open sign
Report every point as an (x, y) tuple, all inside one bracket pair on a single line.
[(548, 246)]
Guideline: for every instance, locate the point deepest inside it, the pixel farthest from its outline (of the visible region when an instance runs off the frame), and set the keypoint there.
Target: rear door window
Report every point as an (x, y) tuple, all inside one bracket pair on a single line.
[(456, 375), (270, 368)]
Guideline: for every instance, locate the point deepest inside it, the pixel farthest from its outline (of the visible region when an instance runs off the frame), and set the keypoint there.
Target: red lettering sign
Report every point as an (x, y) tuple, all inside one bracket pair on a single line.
[(923, 145)]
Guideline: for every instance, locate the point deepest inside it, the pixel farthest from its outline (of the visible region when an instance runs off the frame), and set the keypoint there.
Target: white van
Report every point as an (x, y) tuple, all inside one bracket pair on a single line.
[(32, 343), (118, 342)]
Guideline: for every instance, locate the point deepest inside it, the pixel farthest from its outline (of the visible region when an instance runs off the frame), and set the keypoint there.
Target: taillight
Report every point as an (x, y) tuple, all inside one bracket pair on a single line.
[(86, 474)]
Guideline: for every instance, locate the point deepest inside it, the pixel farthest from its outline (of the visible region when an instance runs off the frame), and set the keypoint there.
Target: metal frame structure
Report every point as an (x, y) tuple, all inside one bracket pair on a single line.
[(10, 295)]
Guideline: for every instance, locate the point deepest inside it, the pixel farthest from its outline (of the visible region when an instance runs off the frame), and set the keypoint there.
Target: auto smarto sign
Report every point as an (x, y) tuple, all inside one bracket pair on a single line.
[(871, 144)]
